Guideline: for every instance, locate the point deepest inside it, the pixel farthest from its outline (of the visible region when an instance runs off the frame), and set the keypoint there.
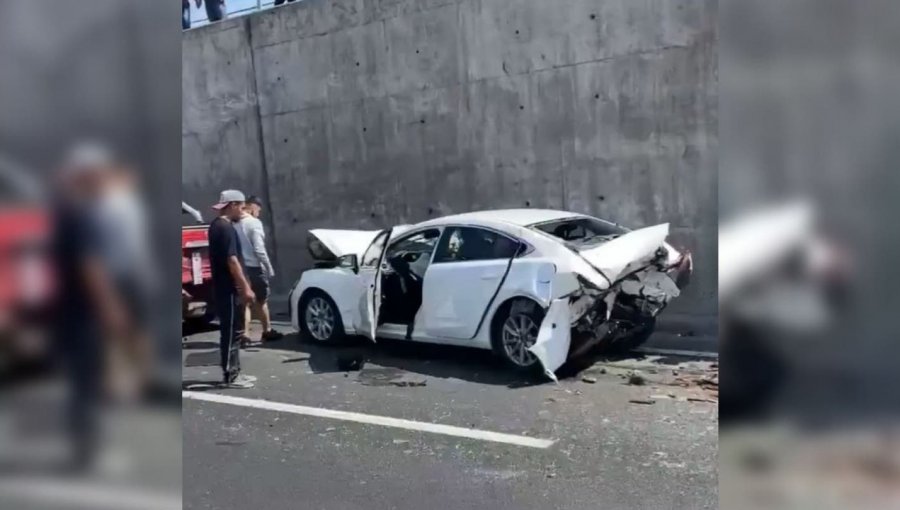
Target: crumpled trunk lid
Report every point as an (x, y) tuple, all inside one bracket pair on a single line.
[(628, 251), (328, 245)]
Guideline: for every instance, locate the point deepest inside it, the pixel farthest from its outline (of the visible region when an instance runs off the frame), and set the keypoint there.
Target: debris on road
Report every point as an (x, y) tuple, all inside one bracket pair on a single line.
[(636, 379), (408, 384), (388, 377), (642, 401), (350, 362), (588, 379)]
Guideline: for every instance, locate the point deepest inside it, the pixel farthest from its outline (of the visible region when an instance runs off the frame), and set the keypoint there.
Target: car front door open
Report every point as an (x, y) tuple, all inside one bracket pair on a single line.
[(370, 268)]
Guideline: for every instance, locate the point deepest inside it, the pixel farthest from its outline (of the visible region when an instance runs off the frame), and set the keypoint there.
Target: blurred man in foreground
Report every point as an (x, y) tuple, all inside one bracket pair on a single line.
[(90, 311), (231, 289), (259, 269)]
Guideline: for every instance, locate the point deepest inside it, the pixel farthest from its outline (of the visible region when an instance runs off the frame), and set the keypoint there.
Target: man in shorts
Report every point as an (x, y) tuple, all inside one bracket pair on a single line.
[(259, 269)]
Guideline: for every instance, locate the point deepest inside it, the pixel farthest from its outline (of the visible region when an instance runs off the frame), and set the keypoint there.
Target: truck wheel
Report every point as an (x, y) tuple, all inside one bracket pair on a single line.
[(319, 317)]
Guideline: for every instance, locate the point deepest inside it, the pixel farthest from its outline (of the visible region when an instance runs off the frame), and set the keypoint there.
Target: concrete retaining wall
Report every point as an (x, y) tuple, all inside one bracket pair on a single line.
[(367, 113)]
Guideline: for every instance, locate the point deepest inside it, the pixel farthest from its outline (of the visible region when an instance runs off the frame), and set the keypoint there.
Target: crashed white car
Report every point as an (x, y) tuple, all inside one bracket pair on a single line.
[(532, 285)]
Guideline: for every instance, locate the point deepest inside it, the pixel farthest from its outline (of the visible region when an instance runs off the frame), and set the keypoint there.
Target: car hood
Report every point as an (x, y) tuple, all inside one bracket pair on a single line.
[(632, 250), (337, 243)]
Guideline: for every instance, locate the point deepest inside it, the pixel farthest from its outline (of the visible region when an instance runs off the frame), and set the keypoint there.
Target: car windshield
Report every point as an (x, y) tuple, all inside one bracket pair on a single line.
[(581, 230)]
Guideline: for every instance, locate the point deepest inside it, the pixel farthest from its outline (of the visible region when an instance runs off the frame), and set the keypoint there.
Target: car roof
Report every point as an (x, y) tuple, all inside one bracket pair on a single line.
[(520, 217)]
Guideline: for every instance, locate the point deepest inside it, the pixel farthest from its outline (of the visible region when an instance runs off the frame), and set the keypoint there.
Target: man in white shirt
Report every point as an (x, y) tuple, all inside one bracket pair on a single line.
[(259, 268)]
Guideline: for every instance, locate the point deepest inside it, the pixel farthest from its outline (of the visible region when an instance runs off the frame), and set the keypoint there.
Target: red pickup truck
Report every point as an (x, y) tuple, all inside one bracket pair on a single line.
[(27, 283), (196, 277)]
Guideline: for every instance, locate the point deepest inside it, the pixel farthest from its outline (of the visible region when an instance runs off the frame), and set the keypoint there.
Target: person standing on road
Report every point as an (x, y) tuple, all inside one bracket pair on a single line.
[(232, 291), (259, 268)]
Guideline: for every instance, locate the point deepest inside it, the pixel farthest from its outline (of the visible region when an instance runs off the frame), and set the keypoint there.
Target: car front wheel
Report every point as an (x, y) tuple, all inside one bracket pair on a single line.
[(319, 317)]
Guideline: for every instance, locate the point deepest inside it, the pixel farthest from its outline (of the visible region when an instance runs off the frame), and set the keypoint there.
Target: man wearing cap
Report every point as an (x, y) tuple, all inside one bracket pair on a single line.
[(232, 291), (259, 268)]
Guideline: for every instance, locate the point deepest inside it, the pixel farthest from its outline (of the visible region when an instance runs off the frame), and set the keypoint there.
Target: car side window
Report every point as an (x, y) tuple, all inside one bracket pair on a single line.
[(414, 251), (373, 252), (422, 242), (469, 243)]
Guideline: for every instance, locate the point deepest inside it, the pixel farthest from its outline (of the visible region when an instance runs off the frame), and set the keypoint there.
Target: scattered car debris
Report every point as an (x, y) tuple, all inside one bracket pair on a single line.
[(588, 379), (389, 377), (636, 379), (408, 384), (350, 362), (642, 401)]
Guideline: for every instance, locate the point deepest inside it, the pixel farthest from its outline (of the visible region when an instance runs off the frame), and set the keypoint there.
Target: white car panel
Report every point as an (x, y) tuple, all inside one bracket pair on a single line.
[(456, 294), (613, 257), (345, 242), (370, 279), (341, 284), (552, 345)]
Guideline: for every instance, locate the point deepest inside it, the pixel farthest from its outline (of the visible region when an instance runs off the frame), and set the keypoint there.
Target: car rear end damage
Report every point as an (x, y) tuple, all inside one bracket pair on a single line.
[(627, 282)]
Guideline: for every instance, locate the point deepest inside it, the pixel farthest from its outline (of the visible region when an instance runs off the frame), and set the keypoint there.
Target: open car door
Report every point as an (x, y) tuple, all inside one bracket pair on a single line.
[(370, 268)]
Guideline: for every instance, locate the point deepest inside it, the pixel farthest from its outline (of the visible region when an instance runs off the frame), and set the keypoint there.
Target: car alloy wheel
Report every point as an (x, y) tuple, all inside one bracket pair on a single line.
[(518, 334), (320, 318)]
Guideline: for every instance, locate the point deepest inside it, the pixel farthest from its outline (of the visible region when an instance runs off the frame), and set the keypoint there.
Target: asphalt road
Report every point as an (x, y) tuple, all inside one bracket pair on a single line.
[(606, 451)]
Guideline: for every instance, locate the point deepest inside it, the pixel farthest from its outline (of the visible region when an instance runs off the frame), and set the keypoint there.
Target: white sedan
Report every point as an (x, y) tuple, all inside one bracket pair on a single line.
[(532, 285)]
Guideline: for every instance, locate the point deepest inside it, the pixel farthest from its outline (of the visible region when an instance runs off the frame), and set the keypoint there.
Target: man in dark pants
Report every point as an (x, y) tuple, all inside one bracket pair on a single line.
[(232, 291), (90, 314), (215, 10)]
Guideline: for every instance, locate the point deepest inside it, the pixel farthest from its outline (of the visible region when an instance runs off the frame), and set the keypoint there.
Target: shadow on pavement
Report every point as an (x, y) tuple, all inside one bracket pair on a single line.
[(430, 360)]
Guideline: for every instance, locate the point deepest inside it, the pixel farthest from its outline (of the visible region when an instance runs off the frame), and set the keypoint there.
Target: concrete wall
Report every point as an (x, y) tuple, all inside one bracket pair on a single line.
[(367, 113)]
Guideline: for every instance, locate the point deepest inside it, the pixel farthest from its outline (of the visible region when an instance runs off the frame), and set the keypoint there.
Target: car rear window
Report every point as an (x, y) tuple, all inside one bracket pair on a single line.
[(581, 229)]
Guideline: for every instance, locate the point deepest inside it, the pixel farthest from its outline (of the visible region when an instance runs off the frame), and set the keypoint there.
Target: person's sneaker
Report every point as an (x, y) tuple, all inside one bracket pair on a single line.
[(241, 382), (246, 342), (272, 334)]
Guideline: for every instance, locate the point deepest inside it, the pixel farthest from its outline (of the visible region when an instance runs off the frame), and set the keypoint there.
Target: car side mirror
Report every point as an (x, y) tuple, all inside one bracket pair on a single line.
[(350, 262)]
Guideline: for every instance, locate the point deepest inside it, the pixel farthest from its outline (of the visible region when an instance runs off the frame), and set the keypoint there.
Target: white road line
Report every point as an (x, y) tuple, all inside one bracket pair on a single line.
[(371, 419), (79, 494), (678, 352)]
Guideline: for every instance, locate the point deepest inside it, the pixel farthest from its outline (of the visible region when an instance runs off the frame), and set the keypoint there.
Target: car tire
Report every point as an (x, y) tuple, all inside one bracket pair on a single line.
[(323, 307), (516, 312)]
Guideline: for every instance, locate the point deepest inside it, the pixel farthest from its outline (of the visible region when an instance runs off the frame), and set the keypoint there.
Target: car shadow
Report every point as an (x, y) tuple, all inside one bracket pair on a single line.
[(429, 360)]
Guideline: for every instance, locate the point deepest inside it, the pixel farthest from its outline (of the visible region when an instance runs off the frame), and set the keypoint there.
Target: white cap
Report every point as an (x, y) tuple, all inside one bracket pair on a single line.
[(228, 196)]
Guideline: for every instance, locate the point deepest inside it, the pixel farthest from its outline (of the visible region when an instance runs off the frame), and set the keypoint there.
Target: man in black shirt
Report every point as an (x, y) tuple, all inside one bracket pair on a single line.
[(230, 286)]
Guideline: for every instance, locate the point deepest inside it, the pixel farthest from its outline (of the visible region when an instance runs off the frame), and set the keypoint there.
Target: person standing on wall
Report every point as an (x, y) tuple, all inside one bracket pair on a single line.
[(185, 14), (259, 268), (215, 9), (232, 291)]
